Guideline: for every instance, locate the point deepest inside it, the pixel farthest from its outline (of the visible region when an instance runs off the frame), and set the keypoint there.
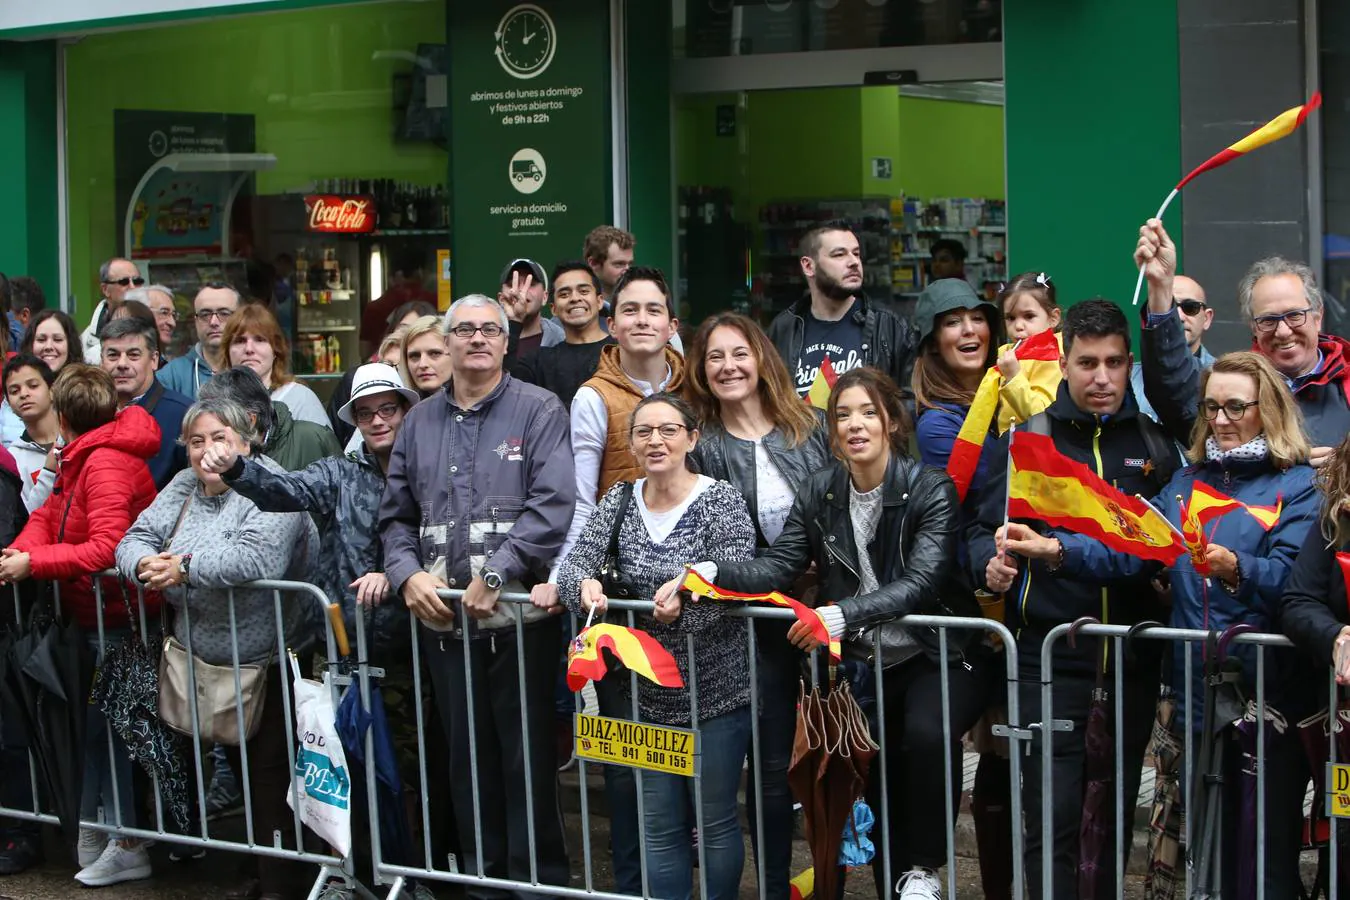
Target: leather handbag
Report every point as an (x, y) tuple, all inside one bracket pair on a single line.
[(217, 709), (612, 580)]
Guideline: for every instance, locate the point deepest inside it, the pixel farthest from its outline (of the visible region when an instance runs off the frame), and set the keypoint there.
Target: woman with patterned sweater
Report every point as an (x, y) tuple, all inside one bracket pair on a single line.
[(668, 519)]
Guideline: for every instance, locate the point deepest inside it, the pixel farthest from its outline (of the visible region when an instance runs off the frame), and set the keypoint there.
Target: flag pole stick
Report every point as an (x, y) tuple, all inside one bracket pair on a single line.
[(1007, 485), (1175, 529), (1139, 283), (589, 616)]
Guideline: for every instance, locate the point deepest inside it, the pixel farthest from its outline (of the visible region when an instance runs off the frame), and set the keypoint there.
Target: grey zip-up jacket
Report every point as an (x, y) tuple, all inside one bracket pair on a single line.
[(231, 542), (343, 492), (492, 485)]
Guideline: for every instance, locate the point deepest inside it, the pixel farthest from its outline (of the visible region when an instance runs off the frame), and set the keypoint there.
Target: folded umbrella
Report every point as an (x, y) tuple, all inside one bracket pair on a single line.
[(1164, 875), (1248, 739), (353, 722), (805, 776)]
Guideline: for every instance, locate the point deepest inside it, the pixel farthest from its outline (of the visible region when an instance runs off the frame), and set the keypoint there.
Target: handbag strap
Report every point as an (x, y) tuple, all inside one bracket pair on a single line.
[(178, 523), (612, 551)]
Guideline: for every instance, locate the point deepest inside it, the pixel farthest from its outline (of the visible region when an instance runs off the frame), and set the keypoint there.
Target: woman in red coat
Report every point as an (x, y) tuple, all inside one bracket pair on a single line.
[(102, 485)]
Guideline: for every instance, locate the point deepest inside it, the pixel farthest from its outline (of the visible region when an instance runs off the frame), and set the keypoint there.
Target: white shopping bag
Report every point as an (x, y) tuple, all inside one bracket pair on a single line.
[(322, 783)]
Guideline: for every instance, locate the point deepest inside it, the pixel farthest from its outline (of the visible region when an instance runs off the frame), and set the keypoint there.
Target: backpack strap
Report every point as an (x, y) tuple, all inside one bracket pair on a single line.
[(1037, 424), (1161, 449)]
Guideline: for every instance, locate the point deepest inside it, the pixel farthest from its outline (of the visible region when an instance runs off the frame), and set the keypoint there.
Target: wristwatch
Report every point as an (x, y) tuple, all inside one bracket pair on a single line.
[(184, 563), (491, 578)]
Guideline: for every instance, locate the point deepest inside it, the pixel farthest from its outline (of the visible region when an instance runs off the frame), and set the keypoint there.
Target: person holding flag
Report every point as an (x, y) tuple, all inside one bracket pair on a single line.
[(759, 435), (1094, 420), (668, 518), (1243, 507), (881, 530)]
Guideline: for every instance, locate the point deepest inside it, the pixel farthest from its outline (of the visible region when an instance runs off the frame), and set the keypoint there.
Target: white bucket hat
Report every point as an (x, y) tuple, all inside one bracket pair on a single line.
[(375, 378)]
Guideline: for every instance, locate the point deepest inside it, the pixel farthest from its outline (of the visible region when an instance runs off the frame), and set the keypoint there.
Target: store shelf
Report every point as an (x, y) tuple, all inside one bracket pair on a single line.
[(410, 232), (320, 294), (315, 329)]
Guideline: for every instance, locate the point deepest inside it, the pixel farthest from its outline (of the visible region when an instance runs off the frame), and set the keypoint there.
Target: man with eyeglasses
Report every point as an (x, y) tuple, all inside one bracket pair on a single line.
[(1196, 317), (159, 300), (479, 497), (115, 278), (210, 308), (1281, 302)]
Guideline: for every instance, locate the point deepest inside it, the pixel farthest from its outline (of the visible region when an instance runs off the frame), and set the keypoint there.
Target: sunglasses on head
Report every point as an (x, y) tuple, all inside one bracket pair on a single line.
[(127, 282), (1191, 307)]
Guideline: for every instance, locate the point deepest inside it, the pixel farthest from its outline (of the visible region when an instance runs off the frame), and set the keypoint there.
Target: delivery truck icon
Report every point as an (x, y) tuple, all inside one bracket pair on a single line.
[(527, 170)]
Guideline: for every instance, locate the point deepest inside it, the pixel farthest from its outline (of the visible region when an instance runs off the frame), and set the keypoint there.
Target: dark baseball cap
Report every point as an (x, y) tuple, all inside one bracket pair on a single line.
[(524, 267), (944, 296)]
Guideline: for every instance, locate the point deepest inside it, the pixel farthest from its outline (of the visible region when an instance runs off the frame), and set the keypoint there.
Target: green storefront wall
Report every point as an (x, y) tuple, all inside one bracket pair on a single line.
[(1092, 138)]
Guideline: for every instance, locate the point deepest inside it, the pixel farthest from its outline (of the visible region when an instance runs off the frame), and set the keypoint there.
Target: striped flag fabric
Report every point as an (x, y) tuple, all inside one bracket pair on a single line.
[(1206, 504), (1283, 125), (819, 393), (636, 649), (695, 583)]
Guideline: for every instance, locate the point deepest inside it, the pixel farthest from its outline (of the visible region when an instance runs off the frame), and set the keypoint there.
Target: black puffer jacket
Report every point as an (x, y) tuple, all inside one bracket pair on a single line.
[(889, 342), (725, 457), (1315, 605), (913, 554)]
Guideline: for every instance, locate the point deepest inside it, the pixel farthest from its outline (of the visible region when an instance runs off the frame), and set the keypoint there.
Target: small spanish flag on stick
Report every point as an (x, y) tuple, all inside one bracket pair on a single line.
[(1283, 125), (695, 583), (965, 456), (1207, 504), (819, 394), (637, 650), (1046, 485)]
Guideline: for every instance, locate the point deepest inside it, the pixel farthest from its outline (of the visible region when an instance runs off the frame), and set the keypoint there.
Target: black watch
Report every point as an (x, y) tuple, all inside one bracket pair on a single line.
[(491, 578), (184, 564)]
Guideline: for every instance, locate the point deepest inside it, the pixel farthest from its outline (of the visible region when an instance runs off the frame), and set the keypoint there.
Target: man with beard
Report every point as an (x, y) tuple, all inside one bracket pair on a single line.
[(835, 320)]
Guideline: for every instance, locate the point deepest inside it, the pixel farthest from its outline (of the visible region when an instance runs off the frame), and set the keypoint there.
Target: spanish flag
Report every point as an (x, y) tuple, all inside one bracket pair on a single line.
[(819, 394), (1046, 485), (637, 650), (965, 455), (1205, 505), (1343, 560), (695, 583), (1283, 125)]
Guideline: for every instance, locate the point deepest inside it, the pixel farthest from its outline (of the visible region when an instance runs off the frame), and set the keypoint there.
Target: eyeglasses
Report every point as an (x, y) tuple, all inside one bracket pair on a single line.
[(1190, 307), (166, 314), (1234, 409), (206, 315), (126, 282), (385, 411), (464, 331), (668, 430), (1294, 319)]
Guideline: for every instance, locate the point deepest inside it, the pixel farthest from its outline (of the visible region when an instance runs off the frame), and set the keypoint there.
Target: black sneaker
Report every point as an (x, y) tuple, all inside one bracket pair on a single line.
[(19, 856)]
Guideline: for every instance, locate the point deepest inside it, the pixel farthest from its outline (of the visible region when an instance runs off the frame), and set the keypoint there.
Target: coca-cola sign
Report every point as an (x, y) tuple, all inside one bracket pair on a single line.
[(333, 214)]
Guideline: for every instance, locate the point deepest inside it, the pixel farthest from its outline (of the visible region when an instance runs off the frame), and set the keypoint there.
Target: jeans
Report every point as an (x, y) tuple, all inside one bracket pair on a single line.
[(101, 774), (722, 744), (779, 675), (625, 844), (498, 707)]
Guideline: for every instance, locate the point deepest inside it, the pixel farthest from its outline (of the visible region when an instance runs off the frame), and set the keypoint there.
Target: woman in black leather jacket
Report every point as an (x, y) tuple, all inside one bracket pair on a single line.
[(757, 434), (907, 514)]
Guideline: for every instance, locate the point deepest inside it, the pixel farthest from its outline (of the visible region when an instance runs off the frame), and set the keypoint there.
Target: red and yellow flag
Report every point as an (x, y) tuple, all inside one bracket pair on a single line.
[(695, 583), (819, 394), (637, 650), (1343, 560), (1046, 485), (965, 455), (1208, 503), (1283, 125)]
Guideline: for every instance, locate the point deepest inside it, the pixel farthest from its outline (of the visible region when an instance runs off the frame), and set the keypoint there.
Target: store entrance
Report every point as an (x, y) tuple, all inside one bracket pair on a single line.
[(913, 170)]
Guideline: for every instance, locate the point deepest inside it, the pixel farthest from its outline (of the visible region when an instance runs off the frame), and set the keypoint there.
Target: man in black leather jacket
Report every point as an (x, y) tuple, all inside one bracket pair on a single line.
[(836, 319), (1095, 421)]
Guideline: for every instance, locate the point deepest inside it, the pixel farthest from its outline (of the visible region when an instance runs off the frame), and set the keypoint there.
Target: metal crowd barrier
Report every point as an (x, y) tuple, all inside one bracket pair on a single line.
[(398, 877), (153, 629), (1120, 637)]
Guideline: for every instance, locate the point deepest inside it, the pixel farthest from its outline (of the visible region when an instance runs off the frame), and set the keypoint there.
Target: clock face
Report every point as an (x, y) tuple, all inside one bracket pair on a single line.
[(526, 40)]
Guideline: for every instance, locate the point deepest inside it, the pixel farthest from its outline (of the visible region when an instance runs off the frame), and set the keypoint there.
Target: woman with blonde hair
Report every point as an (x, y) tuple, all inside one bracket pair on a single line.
[(425, 363), (1248, 444), (759, 435), (254, 339)]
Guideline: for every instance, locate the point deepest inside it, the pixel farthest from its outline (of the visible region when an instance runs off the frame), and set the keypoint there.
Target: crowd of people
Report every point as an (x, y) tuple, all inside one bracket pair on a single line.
[(587, 456)]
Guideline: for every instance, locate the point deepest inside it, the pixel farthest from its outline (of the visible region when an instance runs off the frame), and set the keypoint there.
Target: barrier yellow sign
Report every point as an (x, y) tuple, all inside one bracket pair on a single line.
[(1338, 787), (637, 744)]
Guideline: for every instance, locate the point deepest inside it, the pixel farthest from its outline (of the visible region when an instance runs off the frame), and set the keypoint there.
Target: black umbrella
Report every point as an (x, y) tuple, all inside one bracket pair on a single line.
[(353, 720), (1098, 777)]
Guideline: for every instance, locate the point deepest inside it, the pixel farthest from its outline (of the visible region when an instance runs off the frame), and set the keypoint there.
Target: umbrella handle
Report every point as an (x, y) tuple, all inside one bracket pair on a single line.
[(1135, 631), (1229, 633), (1077, 624)]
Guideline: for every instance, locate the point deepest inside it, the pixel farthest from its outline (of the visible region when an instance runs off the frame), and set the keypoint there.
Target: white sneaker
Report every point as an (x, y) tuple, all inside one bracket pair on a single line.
[(919, 884), (91, 845), (117, 864)]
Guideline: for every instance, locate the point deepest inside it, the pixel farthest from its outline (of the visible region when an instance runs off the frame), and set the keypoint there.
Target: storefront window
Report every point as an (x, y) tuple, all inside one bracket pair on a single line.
[(300, 156), (711, 28)]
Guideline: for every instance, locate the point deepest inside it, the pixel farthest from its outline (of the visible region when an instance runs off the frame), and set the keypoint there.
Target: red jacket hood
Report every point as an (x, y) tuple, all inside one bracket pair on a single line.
[(134, 431)]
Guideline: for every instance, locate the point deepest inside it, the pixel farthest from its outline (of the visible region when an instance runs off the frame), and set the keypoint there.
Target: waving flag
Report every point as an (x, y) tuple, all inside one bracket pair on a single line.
[(1046, 485), (637, 650), (965, 455), (695, 583), (1207, 504), (819, 394), (1283, 125)]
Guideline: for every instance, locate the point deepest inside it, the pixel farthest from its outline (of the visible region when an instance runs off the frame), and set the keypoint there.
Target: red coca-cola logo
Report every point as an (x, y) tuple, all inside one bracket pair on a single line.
[(340, 215)]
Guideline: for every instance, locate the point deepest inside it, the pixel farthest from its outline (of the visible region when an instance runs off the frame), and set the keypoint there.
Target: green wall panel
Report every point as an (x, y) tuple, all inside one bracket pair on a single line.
[(1093, 119), (949, 149), (651, 193), (29, 237)]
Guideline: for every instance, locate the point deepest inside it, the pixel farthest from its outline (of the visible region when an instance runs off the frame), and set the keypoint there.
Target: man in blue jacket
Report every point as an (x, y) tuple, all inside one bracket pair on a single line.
[(210, 308), (130, 354), (479, 496)]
